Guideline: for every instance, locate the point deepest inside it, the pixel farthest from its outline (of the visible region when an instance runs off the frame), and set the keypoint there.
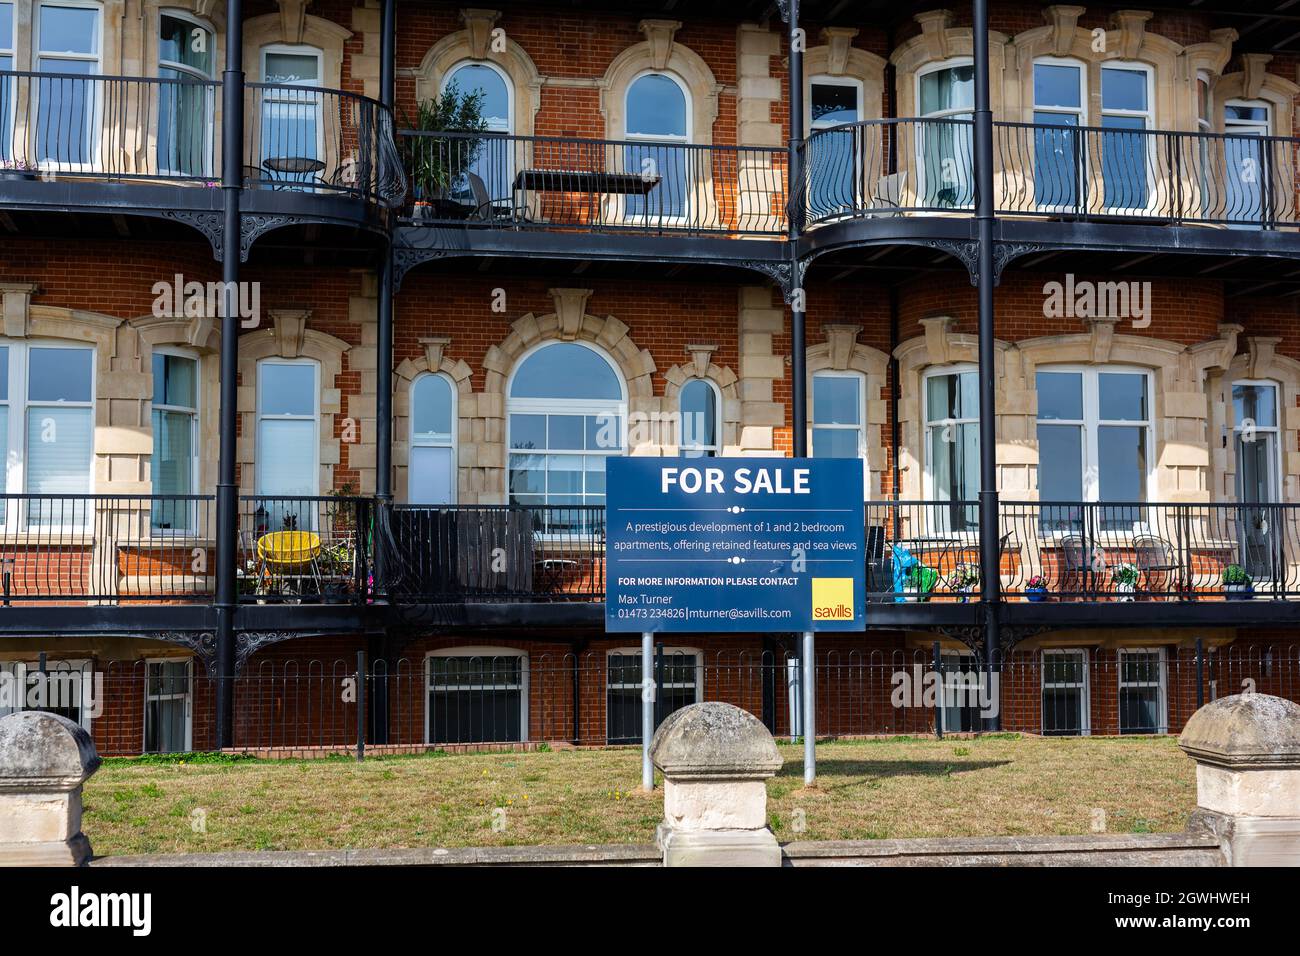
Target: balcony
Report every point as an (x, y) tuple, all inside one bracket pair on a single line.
[(78, 142)]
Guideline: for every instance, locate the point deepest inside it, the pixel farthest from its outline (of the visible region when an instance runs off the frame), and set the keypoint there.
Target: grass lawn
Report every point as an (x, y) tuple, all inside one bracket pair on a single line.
[(866, 790)]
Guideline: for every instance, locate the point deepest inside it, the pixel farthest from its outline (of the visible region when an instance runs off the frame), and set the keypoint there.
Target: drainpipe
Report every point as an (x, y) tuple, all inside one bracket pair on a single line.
[(379, 717), (798, 339), (232, 152), (990, 583)]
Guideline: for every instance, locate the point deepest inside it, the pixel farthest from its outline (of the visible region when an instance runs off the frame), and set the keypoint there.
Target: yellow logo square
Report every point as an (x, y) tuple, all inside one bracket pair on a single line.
[(832, 599)]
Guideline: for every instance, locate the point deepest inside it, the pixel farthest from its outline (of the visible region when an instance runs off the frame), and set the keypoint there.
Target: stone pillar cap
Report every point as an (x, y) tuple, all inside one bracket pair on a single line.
[(40, 751), (714, 739), (1245, 731)]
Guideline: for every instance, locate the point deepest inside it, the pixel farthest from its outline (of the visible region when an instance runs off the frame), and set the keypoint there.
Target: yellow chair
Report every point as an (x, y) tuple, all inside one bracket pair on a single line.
[(287, 557)]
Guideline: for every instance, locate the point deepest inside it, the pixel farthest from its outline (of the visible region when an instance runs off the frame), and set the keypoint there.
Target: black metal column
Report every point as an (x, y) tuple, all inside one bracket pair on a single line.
[(795, 292), (232, 160), (990, 557), (384, 381)]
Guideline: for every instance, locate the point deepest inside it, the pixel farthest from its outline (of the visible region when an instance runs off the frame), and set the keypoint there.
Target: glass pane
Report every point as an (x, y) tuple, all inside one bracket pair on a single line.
[(948, 89), (1123, 89), (287, 389), (835, 443), (833, 104), (174, 380), (699, 414), (1060, 462), (563, 475), (59, 447), (526, 475), (189, 44), (1056, 85), (565, 370), (431, 481), (604, 432), (1246, 114), (173, 453), (1255, 468), (64, 111), (952, 396), (594, 466), (6, 26), (59, 375), (4, 373), (1125, 162), (670, 172), (185, 118), (1057, 160), (431, 403), (69, 30), (1244, 170), (836, 400), (291, 68), (495, 104), (1060, 395), (1122, 463), (528, 431), (656, 106), (564, 432), (286, 458), (1122, 397), (947, 162)]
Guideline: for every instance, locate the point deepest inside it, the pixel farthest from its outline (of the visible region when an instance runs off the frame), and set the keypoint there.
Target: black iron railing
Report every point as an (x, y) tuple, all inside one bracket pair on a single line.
[(892, 167), (306, 550), (161, 129), (548, 182)]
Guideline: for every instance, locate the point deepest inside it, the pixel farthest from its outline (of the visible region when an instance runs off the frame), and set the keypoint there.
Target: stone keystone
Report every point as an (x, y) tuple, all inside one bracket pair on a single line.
[(44, 760)]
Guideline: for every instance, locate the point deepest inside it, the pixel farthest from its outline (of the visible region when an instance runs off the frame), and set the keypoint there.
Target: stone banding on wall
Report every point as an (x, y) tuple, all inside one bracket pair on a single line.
[(760, 368)]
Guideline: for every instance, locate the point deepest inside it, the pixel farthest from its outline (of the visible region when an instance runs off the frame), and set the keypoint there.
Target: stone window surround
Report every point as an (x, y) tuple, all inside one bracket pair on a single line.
[(839, 59), (841, 352), (723, 380), (466, 457), (289, 338), (1260, 362), (1180, 413)]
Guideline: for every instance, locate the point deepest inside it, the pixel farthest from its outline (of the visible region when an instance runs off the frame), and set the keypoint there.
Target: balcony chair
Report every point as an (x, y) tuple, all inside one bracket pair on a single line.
[(486, 209), (289, 565), (1154, 558), (1075, 564)]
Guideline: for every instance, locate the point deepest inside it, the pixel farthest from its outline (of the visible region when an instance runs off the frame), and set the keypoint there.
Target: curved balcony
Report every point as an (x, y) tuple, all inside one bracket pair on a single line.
[(80, 142)]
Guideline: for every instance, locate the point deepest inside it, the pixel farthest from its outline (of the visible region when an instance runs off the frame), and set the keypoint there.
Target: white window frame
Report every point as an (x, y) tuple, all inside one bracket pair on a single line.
[(927, 426), (314, 419), (668, 652), (951, 63), (856, 172), (423, 441), (293, 105), (1081, 121), (1204, 119), (175, 352), (484, 652), (696, 449), (16, 465), (1148, 123), (860, 428), (1085, 697), (93, 101), (209, 117), (506, 130), (1162, 722), (188, 697), (688, 168), (1277, 478), (1091, 423), (565, 406), (84, 665)]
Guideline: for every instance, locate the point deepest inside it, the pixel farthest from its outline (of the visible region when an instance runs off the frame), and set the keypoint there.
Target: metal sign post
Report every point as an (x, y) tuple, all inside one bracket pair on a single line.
[(809, 673), (647, 709)]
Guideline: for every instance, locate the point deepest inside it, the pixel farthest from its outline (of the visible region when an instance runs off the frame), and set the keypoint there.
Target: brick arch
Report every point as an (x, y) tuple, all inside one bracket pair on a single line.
[(720, 375), (435, 360), (570, 322)]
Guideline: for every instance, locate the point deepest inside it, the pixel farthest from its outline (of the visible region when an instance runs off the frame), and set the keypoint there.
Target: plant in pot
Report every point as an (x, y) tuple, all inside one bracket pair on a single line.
[(1125, 577), (1036, 588), (18, 169), (437, 163), (1237, 584), (965, 579)]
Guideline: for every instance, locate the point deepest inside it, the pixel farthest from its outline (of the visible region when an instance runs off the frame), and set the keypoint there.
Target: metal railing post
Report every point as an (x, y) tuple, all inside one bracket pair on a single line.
[(361, 705)]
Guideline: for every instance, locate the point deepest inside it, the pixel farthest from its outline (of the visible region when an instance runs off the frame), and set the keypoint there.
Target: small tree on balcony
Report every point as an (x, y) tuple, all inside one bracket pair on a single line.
[(437, 162)]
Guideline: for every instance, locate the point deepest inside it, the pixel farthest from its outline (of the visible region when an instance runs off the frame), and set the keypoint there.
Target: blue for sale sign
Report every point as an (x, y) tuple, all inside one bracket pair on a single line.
[(734, 544)]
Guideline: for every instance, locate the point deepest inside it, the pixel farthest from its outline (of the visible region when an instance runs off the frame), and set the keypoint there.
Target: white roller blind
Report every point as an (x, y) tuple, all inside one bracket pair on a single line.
[(286, 458), (430, 476)]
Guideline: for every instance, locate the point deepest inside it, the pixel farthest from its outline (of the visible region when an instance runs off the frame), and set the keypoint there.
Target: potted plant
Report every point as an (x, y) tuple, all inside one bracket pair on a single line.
[(918, 582), (1036, 588), (1125, 577), (18, 169), (435, 163), (965, 579), (1237, 584)]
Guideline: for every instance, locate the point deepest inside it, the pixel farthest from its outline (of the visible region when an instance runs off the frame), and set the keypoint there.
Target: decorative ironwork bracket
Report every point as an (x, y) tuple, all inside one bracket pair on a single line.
[(253, 226), (211, 224), (202, 643), (248, 643), (967, 251), (406, 258)]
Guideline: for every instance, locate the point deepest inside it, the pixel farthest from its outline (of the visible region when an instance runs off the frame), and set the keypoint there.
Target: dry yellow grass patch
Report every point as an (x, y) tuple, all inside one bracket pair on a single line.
[(866, 789)]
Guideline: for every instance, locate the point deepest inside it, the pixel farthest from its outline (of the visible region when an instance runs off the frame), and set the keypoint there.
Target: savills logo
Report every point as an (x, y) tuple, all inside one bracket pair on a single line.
[(832, 599)]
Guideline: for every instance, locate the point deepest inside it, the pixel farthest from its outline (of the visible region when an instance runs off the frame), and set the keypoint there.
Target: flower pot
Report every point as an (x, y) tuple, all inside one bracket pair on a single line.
[(1125, 591), (1036, 594), (1238, 592)]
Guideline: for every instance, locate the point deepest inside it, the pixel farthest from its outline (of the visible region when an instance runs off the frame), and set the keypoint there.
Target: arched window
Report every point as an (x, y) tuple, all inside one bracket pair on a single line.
[(657, 116), (432, 475), (945, 144), (492, 159), (566, 410), (698, 427), (186, 51)]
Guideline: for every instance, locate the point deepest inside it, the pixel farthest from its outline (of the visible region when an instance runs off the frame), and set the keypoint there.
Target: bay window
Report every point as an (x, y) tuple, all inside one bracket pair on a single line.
[(952, 451), (67, 43), (1094, 442), (944, 142), (698, 405), (175, 437), (186, 48), (432, 470), (47, 415), (288, 439)]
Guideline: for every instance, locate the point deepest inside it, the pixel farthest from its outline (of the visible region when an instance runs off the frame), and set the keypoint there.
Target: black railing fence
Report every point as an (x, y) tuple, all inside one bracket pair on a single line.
[(300, 138), (505, 698), (484, 178), (312, 550), (888, 167)]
